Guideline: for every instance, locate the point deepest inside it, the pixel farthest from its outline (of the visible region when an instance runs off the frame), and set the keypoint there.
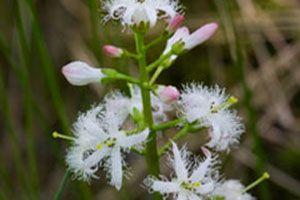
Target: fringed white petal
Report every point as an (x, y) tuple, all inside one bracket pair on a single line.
[(116, 168), (165, 187), (179, 164), (132, 140)]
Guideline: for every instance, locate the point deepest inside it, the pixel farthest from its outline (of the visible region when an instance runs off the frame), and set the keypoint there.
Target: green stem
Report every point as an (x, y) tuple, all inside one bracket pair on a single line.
[(167, 125), (152, 158), (161, 38), (62, 185), (156, 74), (129, 54), (160, 60), (183, 132)]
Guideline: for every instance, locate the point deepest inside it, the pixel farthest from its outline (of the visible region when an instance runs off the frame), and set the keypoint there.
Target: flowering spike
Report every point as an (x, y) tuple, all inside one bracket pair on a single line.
[(112, 51), (168, 94), (79, 73), (175, 23)]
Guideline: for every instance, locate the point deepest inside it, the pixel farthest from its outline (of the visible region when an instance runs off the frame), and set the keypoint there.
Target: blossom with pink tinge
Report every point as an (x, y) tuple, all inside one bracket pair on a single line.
[(79, 73), (190, 40), (175, 23), (112, 51), (168, 94)]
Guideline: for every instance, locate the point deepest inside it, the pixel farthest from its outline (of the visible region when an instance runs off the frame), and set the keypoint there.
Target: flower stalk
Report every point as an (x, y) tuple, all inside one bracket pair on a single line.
[(151, 155)]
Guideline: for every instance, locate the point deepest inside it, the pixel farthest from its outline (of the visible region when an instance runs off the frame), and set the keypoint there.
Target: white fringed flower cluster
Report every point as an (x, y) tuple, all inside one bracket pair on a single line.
[(194, 179), (209, 107), (101, 142), (107, 132), (134, 12)]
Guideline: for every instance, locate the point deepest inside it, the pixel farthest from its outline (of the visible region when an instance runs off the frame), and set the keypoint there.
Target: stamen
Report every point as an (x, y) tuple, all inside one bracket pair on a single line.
[(99, 146), (61, 136), (190, 186), (110, 142), (265, 176), (232, 100)]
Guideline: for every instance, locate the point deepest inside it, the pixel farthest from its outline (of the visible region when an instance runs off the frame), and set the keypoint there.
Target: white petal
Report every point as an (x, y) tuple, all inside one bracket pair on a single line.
[(206, 188), (165, 187), (192, 196), (116, 168), (95, 157), (179, 164), (182, 197), (201, 170), (132, 140)]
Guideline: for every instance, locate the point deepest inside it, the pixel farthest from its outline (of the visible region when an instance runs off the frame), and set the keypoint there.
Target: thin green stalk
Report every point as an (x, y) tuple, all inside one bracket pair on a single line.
[(238, 58), (50, 79), (182, 133), (156, 74), (152, 158), (167, 125), (12, 134), (48, 68), (62, 185), (94, 21), (158, 40), (159, 61), (28, 104)]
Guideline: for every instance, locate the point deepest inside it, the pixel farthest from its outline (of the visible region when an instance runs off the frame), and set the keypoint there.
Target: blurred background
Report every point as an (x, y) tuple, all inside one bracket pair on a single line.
[(255, 55)]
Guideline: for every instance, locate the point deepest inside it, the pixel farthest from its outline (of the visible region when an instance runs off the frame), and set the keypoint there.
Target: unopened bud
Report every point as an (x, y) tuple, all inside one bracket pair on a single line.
[(168, 94), (112, 51), (79, 73), (200, 35), (175, 23)]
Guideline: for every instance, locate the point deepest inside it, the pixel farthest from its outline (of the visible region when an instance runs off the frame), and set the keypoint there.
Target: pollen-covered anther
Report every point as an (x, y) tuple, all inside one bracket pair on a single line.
[(230, 101)]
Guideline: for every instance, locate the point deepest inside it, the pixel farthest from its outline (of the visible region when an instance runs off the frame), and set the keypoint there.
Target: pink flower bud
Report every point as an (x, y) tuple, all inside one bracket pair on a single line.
[(200, 35), (79, 73), (112, 51), (168, 94), (175, 23)]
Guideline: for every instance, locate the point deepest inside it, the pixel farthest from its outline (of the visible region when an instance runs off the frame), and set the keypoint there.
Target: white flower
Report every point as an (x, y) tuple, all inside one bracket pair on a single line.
[(232, 190), (99, 141), (193, 181), (190, 40), (209, 108), (79, 73), (133, 12), (159, 107)]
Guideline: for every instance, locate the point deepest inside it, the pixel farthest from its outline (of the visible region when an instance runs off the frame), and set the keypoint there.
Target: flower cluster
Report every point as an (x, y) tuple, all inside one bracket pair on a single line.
[(135, 12), (124, 123)]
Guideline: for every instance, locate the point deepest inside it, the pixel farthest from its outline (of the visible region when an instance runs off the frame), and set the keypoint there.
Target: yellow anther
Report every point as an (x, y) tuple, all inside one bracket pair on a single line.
[(196, 184), (232, 100), (99, 146)]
